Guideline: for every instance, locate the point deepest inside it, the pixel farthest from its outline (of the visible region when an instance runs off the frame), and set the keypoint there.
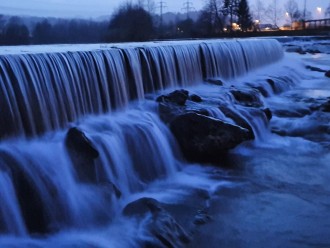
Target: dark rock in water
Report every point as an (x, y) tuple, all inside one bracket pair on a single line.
[(178, 97), (313, 51), (325, 107), (293, 112), (76, 140), (272, 84), (327, 74), (161, 226), (167, 112), (214, 81), (295, 49), (203, 138), (247, 97), (82, 153), (312, 68), (195, 98), (268, 113), (237, 118)]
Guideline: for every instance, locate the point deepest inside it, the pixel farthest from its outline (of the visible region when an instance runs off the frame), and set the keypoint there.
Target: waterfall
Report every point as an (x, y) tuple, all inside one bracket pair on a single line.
[(41, 188), (49, 194), (40, 92)]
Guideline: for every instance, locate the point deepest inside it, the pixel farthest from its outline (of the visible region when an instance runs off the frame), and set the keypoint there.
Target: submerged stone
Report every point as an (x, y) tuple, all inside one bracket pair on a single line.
[(204, 139)]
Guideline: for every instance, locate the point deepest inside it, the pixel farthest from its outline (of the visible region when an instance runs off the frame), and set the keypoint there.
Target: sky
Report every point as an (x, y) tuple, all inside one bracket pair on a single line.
[(96, 8)]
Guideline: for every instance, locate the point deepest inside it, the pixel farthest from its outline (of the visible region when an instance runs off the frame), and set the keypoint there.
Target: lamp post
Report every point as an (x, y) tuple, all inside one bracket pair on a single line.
[(304, 26)]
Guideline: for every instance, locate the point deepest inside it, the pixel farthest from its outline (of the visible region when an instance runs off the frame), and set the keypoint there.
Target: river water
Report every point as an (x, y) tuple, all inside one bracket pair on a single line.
[(270, 192)]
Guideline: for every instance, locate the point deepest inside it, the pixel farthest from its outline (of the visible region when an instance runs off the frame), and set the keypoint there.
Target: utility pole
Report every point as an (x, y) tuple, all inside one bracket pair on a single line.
[(188, 6), (161, 6)]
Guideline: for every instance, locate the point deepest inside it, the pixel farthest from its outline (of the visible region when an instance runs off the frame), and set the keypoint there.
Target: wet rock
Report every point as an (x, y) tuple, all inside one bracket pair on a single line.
[(295, 49), (214, 81), (312, 68), (293, 112), (161, 227), (195, 98), (82, 153), (327, 74), (325, 107), (313, 51), (167, 112), (237, 118), (268, 113), (203, 139), (271, 82), (247, 97), (178, 97)]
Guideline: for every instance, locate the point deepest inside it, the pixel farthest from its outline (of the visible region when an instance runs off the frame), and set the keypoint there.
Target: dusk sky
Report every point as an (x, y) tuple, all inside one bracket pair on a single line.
[(96, 8)]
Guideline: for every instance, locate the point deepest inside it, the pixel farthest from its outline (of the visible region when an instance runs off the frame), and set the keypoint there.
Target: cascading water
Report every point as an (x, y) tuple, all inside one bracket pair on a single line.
[(46, 93)]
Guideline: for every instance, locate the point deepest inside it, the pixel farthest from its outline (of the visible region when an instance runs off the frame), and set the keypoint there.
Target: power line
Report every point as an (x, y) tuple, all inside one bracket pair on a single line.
[(188, 6), (161, 6)]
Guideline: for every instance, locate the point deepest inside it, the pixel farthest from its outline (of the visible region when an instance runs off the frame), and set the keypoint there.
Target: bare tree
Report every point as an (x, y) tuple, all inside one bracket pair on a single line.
[(211, 20), (273, 12), (292, 10), (327, 12), (258, 10)]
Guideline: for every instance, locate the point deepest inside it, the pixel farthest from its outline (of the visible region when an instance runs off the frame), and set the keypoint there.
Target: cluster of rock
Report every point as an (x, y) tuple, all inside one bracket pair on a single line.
[(304, 50), (204, 138)]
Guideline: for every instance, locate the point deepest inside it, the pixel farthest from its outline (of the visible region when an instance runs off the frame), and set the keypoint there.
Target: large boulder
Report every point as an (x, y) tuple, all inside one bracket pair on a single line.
[(82, 153), (162, 230), (204, 139)]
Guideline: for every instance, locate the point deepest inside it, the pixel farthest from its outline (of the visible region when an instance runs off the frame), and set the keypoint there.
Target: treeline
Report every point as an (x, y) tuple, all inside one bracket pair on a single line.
[(14, 31), (131, 22)]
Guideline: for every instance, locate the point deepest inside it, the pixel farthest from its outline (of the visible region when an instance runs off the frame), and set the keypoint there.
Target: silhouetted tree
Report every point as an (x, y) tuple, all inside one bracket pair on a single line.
[(211, 20), (230, 8), (15, 33), (186, 28), (43, 33), (244, 16), (130, 23), (2, 25)]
